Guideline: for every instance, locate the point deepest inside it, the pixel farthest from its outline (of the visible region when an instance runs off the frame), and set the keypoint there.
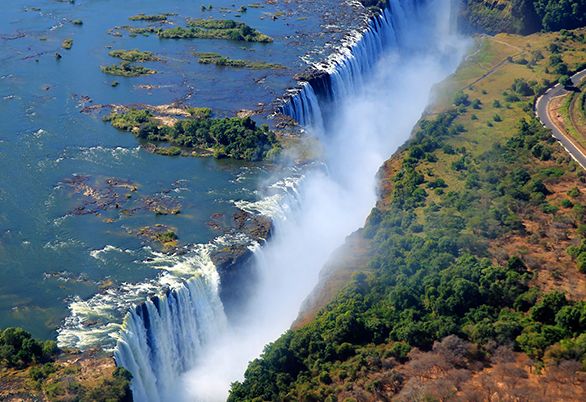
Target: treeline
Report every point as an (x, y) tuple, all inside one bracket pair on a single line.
[(524, 16), (432, 277), (57, 380), (19, 349), (238, 138)]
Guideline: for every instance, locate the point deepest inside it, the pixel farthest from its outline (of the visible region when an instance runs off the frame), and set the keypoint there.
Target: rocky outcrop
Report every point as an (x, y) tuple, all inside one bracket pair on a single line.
[(235, 261)]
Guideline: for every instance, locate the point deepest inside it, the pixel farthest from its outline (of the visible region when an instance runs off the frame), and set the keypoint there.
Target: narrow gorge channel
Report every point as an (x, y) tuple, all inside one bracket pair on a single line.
[(361, 105)]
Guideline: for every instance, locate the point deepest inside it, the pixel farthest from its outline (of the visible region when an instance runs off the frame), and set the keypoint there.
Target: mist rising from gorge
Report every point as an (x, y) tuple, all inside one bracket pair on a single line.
[(364, 129)]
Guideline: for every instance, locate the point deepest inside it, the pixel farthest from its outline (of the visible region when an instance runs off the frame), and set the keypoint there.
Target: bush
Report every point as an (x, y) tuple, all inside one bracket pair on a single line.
[(522, 87), (581, 262), (566, 203), (566, 81), (461, 99), (546, 309), (574, 192)]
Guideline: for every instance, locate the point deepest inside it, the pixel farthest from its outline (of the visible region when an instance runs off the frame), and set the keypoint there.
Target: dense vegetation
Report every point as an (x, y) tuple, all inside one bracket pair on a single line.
[(557, 14), (525, 16), (20, 353), (215, 29), (133, 55), (218, 60), (238, 138), (19, 349), (431, 277), (127, 69)]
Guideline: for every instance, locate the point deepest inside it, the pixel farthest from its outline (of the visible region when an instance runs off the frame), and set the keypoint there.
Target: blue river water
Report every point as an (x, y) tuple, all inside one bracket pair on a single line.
[(51, 255)]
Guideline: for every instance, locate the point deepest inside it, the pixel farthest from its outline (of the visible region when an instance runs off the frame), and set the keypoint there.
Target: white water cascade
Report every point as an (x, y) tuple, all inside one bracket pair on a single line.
[(181, 347), (343, 73), (164, 336)]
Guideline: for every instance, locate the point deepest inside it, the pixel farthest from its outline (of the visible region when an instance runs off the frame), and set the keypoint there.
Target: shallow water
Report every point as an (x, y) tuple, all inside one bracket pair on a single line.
[(45, 140)]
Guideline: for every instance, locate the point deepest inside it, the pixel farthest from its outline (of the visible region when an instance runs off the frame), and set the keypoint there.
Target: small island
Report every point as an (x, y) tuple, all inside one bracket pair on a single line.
[(151, 18), (215, 29), (199, 134), (127, 69), (133, 55), (219, 60)]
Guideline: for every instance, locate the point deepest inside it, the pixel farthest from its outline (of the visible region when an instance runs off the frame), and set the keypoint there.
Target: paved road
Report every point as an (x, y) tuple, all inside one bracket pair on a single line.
[(541, 107)]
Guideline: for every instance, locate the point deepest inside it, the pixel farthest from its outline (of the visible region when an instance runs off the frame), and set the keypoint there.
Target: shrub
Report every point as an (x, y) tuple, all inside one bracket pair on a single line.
[(566, 203), (566, 81), (574, 192)]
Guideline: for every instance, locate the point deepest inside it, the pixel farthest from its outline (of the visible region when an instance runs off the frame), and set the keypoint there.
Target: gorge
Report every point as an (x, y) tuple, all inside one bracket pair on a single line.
[(292, 200), (361, 104)]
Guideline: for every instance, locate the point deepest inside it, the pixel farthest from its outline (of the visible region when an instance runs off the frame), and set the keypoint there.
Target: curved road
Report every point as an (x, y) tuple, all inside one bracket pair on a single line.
[(541, 110)]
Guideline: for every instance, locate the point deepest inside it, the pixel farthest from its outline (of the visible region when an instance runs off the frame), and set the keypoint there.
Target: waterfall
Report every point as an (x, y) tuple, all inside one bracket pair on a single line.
[(343, 73), (163, 336), (361, 104), (304, 107)]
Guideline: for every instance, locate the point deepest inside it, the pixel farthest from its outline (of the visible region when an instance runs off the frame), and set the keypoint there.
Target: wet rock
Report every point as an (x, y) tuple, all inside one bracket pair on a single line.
[(165, 236), (115, 194), (162, 204), (257, 227), (235, 262), (66, 276), (311, 75)]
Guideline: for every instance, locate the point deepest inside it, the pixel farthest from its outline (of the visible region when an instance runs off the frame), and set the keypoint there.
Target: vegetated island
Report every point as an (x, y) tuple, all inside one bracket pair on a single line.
[(127, 69), (163, 235), (154, 17), (199, 134), (215, 29), (219, 60), (199, 28), (133, 55), (468, 281)]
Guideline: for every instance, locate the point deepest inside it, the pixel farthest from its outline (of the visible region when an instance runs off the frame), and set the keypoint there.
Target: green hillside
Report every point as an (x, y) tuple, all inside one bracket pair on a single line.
[(476, 255)]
